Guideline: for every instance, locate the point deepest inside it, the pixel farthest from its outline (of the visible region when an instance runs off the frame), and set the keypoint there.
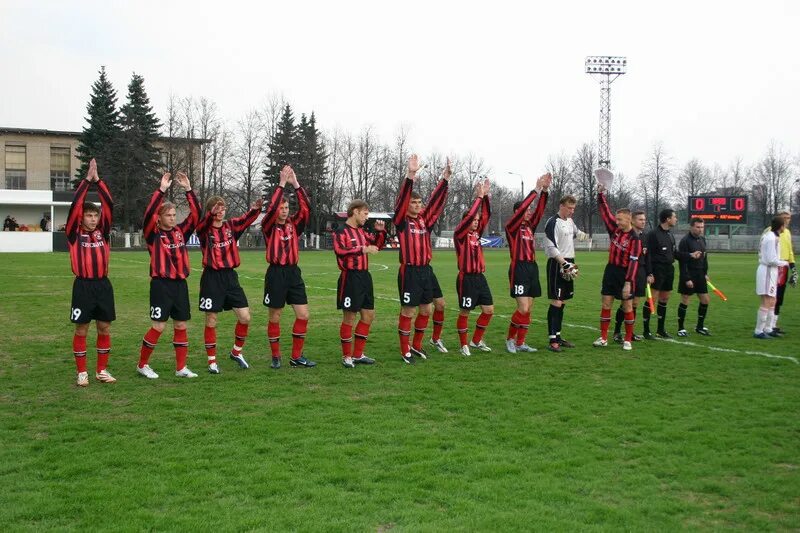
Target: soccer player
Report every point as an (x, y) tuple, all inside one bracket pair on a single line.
[(416, 282), (352, 246), (560, 233), (88, 230), (644, 276), (283, 283), (662, 252), (620, 275), (789, 272), (471, 285), (694, 276), (169, 268), (523, 272), (769, 263), (219, 284)]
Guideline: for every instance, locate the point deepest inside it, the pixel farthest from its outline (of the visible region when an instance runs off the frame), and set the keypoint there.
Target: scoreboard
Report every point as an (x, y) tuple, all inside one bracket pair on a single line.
[(719, 209)]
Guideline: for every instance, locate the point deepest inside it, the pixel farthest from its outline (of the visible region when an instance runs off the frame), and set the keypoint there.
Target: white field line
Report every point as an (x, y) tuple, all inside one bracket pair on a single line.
[(539, 321)]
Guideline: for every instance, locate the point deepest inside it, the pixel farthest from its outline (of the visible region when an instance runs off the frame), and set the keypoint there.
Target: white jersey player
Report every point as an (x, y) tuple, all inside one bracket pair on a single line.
[(767, 278)]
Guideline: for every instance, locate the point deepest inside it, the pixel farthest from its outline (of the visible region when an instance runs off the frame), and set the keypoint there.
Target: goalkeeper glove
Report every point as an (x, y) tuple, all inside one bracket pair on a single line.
[(793, 277)]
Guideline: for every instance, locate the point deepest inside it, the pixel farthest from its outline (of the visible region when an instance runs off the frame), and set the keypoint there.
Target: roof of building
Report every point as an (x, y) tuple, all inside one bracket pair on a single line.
[(58, 133)]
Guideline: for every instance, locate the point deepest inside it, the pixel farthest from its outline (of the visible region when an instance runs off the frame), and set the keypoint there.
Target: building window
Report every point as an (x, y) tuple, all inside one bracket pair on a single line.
[(15, 167), (59, 168)]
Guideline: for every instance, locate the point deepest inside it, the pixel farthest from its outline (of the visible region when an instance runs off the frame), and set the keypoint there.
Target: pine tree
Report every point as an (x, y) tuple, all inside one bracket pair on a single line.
[(283, 147), (312, 169), (102, 130), (139, 160)]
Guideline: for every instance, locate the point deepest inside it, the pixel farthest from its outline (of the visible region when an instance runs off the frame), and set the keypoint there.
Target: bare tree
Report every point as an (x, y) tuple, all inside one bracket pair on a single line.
[(772, 179), (249, 157), (560, 167), (693, 179), (583, 164), (736, 179), (654, 181)]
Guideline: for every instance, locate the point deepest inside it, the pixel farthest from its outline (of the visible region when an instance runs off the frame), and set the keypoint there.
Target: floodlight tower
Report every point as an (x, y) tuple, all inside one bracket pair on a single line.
[(606, 69)]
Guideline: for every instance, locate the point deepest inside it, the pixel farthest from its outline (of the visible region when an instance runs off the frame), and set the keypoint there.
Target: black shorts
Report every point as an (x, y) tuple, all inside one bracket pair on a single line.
[(284, 285), (417, 285), (640, 289), (92, 299), (354, 291), (558, 288), (473, 290), (169, 298), (664, 275), (220, 291), (699, 281), (613, 281), (525, 280)]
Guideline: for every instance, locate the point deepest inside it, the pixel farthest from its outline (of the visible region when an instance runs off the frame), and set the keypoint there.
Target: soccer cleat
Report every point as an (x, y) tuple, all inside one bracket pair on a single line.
[(419, 353), (408, 358), (554, 347), (465, 351), (565, 343), (648, 336), (618, 338), (105, 377), (762, 336), (364, 360), (682, 333), (638, 338), (664, 334), (302, 362), (600, 342), (703, 331), (481, 346), (213, 368), (83, 379), (511, 346), (776, 329), (524, 348), (347, 362), (276, 363), (774, 334), (185, 373), (439, 345), (240, 361), (147, 372), (627, 346)]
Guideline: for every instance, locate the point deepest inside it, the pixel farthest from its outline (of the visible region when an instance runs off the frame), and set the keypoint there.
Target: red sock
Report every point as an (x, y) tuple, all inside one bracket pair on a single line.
[(438, 325), (522, 332), (180, 341), (630, 318), (419, 330), (462, 323), (516, 320), (274, 336), (605, 321), (240, 335), (480, 327), (404, 331), (362, 332), (148, 345), (103, 350), (210, 337), (79, 351), (298, 337), (346, 334)]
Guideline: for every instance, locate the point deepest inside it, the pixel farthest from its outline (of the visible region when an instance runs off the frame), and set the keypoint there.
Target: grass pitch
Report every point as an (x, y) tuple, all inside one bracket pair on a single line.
[(702, 434)]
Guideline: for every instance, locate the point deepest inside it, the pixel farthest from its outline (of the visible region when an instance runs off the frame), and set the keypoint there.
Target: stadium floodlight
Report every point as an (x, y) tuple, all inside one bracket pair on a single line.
[(521, 182), (607, 69)]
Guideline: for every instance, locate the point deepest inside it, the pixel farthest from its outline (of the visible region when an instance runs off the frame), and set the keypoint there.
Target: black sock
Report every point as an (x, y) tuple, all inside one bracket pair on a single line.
[(702, 311), (646, 318), (559, 321), (661, 311), (619, 318), (552, 313), (681, 314)]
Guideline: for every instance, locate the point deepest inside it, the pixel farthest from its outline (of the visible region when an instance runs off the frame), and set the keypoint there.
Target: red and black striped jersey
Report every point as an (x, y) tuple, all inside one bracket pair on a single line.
[(625, 247), (519, 234), (89, 250), (349, 243), (469, 252), (220, 244), (281, 240), (168, 255), (414, 232)]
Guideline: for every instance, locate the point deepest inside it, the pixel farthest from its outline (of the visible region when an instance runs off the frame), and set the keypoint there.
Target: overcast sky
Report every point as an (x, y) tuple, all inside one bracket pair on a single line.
[(504, 80)]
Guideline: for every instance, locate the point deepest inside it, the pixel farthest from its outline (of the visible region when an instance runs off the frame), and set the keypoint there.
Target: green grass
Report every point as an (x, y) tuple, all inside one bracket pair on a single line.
[(669, 436)]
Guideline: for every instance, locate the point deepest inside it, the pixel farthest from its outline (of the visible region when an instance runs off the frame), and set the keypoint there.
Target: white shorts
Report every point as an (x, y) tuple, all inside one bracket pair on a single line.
[(767, 281)]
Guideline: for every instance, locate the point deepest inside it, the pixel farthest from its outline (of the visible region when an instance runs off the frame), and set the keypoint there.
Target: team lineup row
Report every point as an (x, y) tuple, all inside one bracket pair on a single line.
[(633, 264)]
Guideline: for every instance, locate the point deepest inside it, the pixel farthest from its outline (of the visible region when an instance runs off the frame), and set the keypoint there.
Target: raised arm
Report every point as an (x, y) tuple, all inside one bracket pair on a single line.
[(151, 211), (436, 202), (513, 224), (606, 215), (404, 194), (106, 207), (462, 229), (539, 212), (486, 214), (75, 216), (300, 219), (190, 222), (240, 224)]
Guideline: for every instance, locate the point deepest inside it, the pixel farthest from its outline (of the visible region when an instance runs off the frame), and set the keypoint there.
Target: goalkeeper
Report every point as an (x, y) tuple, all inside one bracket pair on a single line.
[(560, 232), (789, 274)]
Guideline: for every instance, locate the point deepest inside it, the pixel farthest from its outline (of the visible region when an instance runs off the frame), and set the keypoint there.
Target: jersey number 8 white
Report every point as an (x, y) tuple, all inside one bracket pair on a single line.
[(347, 302), (205, 304)]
